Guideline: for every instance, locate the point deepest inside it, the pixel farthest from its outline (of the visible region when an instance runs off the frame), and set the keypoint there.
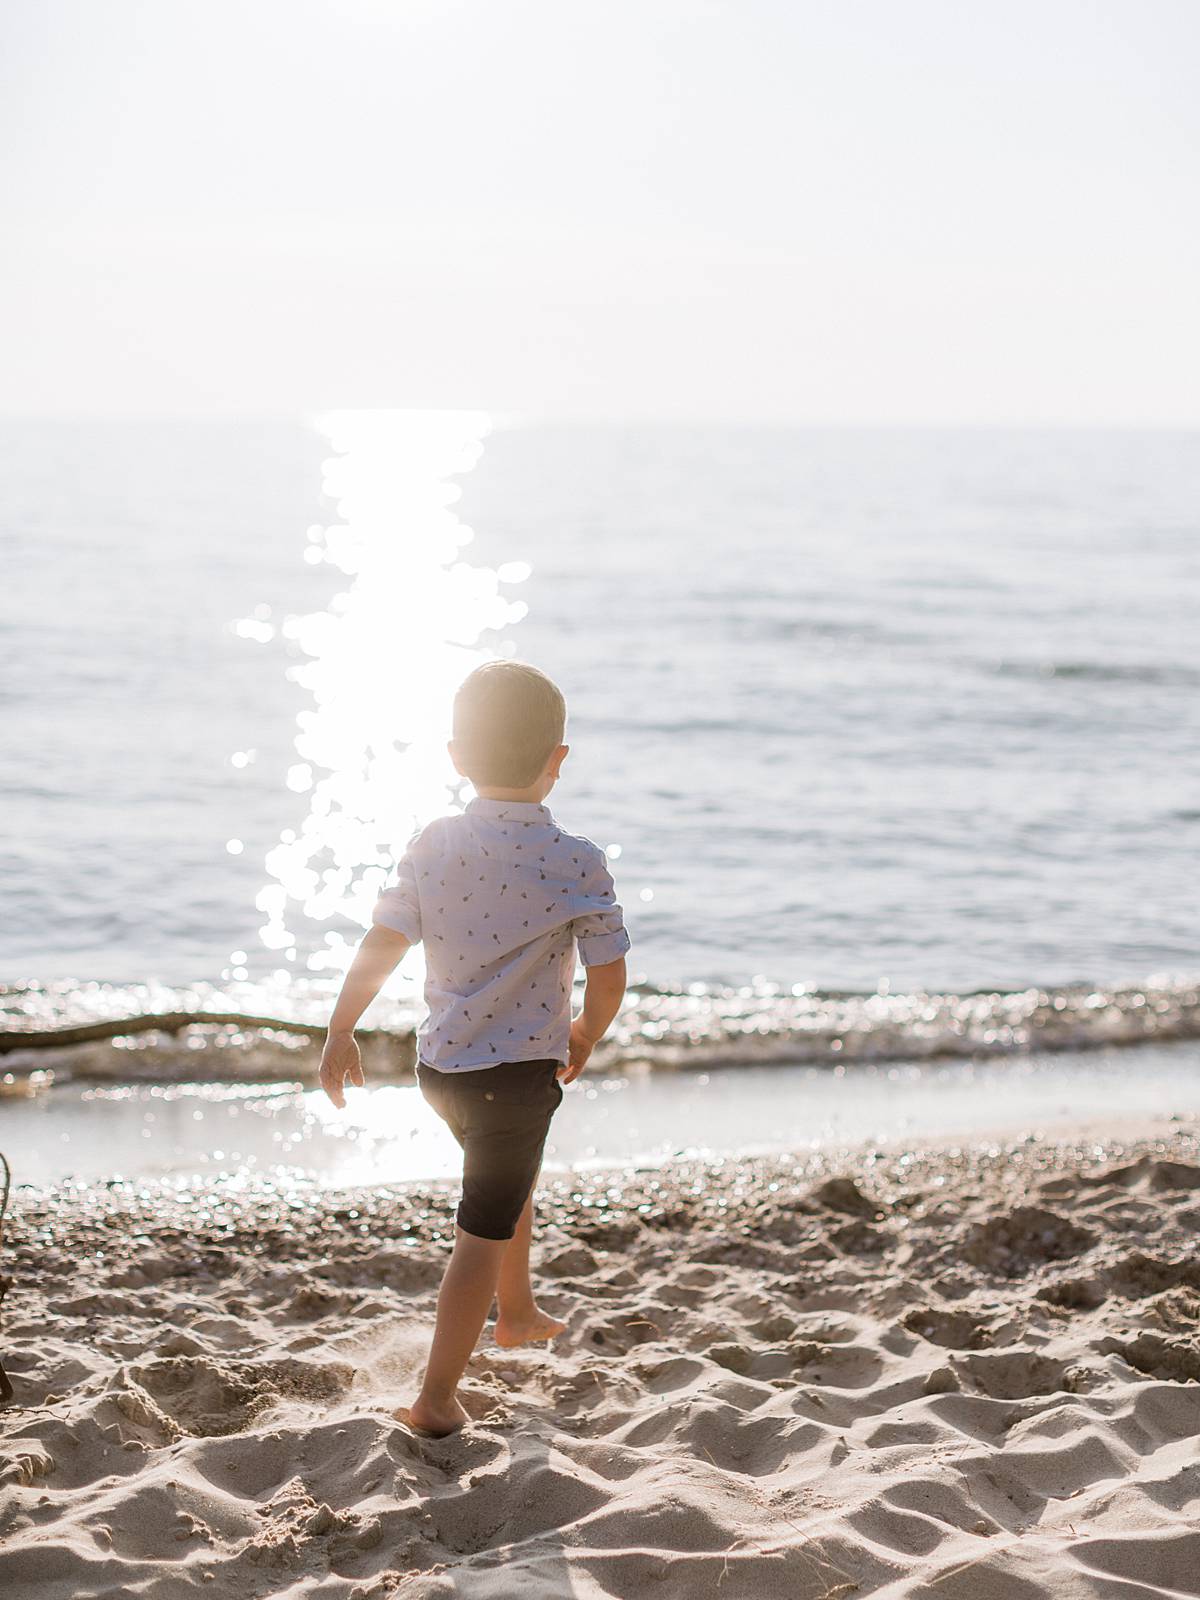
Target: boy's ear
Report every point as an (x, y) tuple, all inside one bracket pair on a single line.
[(452, 747), (557, 758)]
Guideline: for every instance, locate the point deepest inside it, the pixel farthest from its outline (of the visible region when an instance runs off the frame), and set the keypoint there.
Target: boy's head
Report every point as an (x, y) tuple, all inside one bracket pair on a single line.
[(509, 721)]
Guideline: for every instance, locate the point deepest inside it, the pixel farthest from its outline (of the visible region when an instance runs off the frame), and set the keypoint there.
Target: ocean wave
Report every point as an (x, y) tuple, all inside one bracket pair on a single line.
[(1171, 675), (737, 1026), (100, 1031)]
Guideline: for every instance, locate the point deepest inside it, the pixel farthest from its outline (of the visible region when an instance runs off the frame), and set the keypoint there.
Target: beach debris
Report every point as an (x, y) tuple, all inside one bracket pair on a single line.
[(6, 1388)]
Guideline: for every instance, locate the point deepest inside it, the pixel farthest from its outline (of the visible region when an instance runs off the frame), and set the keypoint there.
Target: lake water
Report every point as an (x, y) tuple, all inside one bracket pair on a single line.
[(909, 710)]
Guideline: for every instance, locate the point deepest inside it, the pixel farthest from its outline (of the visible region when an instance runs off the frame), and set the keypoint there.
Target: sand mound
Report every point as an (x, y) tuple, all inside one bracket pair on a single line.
[(1024, 1238), (956, 1376), (207, 1397)]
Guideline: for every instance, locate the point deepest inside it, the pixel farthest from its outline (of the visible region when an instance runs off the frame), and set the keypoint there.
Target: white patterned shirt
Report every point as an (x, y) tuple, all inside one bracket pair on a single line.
[(501, 895)]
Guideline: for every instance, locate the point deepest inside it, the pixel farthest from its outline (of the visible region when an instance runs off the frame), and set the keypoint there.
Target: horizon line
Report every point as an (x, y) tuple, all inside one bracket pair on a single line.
[(505, 420)]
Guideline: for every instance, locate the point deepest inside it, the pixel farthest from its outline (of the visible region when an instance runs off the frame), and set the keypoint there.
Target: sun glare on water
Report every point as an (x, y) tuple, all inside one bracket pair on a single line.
[(381, 665)]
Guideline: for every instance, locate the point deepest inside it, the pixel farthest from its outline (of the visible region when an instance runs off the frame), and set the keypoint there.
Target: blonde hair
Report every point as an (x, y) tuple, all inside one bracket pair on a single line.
[(508, 719)]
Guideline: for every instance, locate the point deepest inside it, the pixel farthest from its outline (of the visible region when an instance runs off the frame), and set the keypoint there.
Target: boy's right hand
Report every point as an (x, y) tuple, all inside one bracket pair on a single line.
[(578, 1051), (340, 1060)]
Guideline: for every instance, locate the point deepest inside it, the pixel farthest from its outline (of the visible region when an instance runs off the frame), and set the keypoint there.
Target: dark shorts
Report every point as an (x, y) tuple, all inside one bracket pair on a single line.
[(500, 1115)]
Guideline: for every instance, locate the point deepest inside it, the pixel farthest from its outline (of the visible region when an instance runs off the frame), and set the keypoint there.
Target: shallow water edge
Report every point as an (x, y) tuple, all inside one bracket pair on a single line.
[(128, 1033)]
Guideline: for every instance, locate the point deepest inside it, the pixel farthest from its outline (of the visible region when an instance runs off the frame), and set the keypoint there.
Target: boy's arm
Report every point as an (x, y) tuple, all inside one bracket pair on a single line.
[(378, 956), (602, 995)]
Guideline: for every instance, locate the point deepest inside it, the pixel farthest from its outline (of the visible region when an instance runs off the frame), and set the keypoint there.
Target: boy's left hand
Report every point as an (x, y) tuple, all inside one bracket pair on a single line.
[(340, 1060)]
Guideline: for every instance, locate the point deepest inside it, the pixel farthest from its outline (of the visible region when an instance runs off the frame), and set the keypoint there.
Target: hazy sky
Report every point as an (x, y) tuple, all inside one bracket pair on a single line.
[(856, 210)]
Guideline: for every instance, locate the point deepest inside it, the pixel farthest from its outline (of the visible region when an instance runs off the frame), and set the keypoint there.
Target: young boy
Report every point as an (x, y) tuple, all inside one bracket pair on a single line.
[(500, 895)]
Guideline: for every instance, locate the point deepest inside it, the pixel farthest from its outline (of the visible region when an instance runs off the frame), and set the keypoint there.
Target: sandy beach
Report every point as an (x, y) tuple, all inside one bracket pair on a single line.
[(969, 1372), (600, 603)]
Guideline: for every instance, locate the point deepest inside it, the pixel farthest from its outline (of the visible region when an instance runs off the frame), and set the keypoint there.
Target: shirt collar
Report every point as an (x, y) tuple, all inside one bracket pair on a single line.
[(518, 810)]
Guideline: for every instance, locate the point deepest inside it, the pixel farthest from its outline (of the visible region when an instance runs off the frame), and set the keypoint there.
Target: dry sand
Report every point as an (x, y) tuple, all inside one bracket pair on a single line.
[(969, 1374)]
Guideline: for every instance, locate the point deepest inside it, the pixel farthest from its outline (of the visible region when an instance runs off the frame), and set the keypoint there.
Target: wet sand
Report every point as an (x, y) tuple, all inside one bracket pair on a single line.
[(388, 1133), (967, 1371)]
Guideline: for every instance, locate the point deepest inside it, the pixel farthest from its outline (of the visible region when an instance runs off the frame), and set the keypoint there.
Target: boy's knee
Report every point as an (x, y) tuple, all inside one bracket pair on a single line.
[(482, 1229)]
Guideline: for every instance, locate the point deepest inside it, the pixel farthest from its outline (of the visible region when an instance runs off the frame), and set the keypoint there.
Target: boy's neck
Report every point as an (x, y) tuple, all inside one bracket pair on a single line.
[(533, 796)]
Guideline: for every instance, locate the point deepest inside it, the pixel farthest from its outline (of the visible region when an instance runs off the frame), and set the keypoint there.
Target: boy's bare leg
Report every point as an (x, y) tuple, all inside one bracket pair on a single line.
[(518, 1318), (464, 1301), (479, 1271)]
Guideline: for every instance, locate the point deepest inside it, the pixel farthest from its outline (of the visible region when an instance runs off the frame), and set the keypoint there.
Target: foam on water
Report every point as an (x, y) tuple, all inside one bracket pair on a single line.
[(94, 1030)]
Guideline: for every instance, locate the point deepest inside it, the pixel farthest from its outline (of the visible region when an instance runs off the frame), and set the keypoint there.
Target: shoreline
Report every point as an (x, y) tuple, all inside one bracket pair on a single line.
[(240, 1134), (969, 1363), (734, 1184)]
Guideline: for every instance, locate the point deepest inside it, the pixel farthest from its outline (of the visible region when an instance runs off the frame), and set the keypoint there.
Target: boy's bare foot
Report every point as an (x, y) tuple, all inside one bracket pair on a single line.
[(529, 1329), (438, 1421)]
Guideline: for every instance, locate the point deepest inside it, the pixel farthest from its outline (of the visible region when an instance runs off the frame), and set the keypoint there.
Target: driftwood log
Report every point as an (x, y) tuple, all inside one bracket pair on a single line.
[(162, 1021)]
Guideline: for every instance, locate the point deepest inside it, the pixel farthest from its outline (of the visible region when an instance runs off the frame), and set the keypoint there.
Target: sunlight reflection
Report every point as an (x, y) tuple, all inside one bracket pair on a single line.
[(382, 665), (388, 1136)]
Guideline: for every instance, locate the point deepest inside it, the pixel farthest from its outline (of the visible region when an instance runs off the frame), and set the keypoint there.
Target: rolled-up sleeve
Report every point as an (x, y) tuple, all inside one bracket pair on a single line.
[(599, 924), (398, 906)]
